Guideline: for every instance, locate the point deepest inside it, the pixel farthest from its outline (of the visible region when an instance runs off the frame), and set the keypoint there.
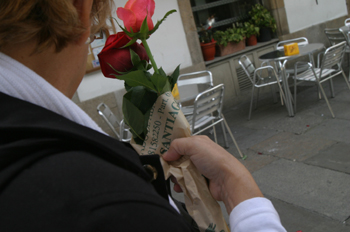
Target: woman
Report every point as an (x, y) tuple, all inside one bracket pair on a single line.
[(58, 170)]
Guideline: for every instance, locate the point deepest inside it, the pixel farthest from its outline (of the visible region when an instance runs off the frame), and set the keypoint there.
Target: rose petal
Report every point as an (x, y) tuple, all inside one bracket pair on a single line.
[(141, 9), (129, 3), (141, 51), (117, 40), (150, 7), (129, 18), (118, 58), (113, 54)]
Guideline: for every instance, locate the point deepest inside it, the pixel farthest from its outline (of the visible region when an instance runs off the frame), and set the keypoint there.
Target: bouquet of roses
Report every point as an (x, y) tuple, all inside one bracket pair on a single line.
[(149, 108)]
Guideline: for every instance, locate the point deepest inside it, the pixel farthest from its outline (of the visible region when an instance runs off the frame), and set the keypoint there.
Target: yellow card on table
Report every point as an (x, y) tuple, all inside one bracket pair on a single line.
[(291, 49)]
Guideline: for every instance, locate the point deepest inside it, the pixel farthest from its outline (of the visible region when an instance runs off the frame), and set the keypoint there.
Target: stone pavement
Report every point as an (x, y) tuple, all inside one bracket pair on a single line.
[(301, 163)]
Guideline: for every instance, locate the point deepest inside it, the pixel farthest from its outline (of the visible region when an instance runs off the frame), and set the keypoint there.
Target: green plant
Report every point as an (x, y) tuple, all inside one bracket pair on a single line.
[(250, 29), (261, 17), (205, 35), (235, 34)]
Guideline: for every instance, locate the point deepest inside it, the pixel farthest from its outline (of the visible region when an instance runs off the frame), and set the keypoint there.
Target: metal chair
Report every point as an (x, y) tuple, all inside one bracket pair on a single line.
[(118, 126), (347, 22), (258, 80), (337, 35), (207, 113), (300, 41), (330, 67), (189, 85)]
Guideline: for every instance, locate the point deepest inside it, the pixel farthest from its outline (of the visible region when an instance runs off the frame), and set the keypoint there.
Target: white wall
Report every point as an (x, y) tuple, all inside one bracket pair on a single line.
[(168, 45), (302, 14)]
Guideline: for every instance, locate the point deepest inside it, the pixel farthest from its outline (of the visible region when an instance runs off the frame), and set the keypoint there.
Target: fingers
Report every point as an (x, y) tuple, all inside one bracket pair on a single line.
[(230, 181), (177, 148), (182, 146), (177, 187)]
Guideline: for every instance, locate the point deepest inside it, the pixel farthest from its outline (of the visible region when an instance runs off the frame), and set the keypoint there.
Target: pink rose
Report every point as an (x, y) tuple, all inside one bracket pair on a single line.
[(119, 57), (134, 12)]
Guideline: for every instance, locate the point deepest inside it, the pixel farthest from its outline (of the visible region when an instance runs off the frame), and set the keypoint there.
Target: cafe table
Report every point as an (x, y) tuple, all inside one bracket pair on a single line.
[(281, 60)]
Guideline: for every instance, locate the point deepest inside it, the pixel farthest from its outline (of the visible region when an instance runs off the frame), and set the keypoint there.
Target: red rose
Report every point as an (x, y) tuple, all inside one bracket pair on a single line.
[(134, 12), (119, 57)]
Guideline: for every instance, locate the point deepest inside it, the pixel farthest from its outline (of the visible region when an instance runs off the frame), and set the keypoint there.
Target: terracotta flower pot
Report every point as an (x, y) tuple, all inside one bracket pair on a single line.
[(252, 40), (231, 47), (208, 50)]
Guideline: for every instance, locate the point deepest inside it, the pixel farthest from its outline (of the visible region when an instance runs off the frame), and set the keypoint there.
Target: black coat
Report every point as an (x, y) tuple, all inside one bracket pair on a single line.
[(56, 175)]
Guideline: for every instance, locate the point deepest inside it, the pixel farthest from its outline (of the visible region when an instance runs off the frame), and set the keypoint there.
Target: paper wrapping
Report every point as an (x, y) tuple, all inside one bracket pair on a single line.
[(166, 123)]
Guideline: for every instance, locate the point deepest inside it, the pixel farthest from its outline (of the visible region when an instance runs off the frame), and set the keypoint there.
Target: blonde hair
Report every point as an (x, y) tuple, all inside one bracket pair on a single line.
[(51, 22)]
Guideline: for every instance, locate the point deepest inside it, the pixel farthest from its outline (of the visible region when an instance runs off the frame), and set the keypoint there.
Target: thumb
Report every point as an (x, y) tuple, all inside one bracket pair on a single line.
[(177, 149), (171, 154)]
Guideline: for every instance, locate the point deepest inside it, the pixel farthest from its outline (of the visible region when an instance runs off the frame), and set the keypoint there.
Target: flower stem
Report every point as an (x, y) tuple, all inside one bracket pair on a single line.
[(148, 51)]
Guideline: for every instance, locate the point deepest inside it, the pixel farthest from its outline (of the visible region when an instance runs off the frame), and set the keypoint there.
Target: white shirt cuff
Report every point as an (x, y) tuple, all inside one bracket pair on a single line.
[(256, 214)]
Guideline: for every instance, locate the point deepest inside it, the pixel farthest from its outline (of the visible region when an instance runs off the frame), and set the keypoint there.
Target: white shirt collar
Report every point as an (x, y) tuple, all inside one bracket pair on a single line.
[(21, 82)]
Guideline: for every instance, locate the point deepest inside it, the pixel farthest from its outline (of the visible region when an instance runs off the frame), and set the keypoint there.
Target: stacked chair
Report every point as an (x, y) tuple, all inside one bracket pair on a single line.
[(206, 110), (190, 84)]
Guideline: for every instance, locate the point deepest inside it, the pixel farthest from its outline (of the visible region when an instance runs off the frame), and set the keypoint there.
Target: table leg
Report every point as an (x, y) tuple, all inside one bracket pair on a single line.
[(286, 89)]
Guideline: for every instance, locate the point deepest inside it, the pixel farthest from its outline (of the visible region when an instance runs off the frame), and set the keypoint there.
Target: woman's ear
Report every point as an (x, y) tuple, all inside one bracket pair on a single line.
[(84, 10)]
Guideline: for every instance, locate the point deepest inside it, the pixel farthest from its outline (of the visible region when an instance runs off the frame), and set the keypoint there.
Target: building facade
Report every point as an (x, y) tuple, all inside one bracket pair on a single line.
[(176, 42)]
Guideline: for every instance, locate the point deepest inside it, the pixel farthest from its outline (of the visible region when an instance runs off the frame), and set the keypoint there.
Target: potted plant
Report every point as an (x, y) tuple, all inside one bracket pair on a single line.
[(263, 19), (251, 32), (230, 41), (207, 42)]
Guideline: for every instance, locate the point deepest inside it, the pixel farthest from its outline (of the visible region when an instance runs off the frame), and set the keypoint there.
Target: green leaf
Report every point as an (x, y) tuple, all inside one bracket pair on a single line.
[(166, 88), (124, 30), (160, 22), (133, 117), (138, 140), (140, 66), (144, 29), (145, 65), (130, 43), (143, 98), (149, 66), (137, 62), (137, 78), (135, 59), (131, 34), (137, 104), (127, 87), (116, 76), (161, 71), (159, 81), (174, 76)]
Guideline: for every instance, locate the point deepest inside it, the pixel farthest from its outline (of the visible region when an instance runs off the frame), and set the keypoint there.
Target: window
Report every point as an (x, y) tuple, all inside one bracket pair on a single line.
[(223, 12)]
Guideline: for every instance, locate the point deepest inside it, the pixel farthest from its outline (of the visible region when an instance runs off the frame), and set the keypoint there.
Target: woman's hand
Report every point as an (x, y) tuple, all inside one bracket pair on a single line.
[(230, 181)]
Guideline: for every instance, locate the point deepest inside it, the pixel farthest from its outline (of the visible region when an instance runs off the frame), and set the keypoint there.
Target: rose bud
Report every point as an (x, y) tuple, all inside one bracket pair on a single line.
[(118, 57), (134, 12)]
